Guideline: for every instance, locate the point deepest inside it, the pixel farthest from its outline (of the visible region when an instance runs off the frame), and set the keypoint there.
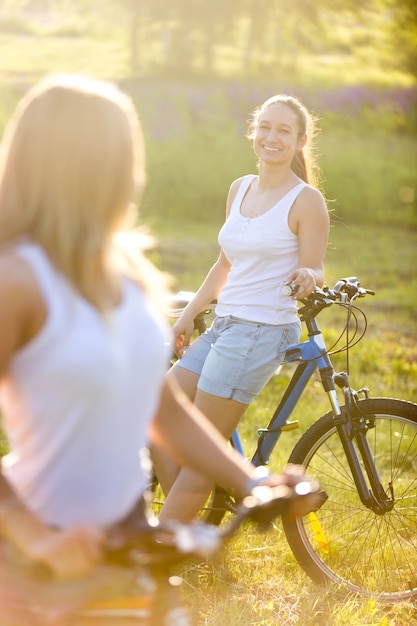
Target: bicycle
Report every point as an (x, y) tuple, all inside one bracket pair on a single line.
[(363, 453), (136, 584)]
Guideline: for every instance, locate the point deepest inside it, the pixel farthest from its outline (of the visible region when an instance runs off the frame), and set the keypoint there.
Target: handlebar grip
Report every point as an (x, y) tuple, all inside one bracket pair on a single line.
[(289, 290), (265, 503)]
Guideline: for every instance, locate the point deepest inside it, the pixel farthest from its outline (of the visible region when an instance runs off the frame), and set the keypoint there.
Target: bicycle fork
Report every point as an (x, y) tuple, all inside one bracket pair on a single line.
[(353, 427)]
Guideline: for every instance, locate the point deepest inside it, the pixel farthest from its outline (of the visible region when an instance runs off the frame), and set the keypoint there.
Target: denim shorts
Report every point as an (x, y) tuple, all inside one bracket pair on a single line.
[(235, 358)]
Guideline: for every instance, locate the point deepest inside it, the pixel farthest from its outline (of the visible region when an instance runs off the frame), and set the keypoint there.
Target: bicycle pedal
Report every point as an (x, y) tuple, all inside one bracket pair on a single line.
[(290, 425)]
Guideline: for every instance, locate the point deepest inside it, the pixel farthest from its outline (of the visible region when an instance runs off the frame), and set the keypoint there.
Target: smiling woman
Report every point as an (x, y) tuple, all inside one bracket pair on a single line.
[(275, 233)]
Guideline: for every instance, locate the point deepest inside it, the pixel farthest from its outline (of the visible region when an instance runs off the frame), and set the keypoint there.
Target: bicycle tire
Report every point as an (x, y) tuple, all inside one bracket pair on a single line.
[(213, 512), (345, 543), (219, 503)]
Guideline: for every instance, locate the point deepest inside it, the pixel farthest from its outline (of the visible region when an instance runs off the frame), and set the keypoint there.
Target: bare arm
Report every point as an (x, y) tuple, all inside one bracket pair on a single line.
[(309, 220), (209, 290), (182, 430), (67, 553)]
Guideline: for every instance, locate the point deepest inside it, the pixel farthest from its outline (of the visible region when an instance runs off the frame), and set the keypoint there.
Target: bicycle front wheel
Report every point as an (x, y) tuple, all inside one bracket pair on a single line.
[(344, 542)]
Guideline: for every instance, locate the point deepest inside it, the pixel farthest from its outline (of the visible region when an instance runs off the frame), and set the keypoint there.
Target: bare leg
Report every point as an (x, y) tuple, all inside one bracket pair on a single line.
[(165, 466), (191, 490)]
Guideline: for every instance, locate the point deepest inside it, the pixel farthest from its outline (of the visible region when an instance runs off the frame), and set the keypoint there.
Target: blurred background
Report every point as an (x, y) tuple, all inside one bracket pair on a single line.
[(196, 69)]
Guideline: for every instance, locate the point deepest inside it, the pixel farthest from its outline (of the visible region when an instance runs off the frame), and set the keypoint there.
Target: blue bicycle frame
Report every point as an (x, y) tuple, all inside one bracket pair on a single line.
[(311, 354)]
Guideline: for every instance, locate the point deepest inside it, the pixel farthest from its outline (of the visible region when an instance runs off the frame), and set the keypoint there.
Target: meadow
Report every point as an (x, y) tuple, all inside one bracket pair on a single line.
[(257, 581), (367, 151)]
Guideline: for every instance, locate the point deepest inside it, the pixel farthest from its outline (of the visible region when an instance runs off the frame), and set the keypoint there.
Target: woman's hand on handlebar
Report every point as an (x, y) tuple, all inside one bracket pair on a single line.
[(68, 554), (303, 282), (182, 333), (293, 476)]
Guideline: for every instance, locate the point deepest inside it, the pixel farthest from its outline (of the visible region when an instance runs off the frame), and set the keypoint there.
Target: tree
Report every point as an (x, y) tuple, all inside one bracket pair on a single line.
[(403, 34)]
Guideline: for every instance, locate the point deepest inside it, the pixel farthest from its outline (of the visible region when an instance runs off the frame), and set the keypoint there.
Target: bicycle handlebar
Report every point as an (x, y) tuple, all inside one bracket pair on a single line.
[(154, 544), (344, 290), (351, 287)]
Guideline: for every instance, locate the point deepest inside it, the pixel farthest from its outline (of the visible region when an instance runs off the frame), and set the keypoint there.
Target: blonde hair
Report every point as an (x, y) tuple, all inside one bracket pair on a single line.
[(71, 163), (304, 163)]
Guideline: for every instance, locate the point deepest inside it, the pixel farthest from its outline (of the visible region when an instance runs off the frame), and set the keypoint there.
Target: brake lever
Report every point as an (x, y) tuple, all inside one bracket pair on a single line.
[(265, 503)]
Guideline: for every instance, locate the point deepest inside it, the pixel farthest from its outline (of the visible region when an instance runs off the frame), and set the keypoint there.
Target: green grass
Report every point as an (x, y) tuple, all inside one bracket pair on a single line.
[(255, 583), (257, 580)]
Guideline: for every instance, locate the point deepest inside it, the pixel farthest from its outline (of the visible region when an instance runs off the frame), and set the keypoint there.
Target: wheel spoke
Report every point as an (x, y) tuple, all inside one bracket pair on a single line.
[(367, 552)]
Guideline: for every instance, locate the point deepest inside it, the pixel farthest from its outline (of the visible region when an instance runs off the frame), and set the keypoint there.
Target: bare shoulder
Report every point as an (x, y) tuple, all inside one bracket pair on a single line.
[(18, 282), (235, 186), (312, 195), (309, 211), (14, 271), (310, 201), (236, 183), (232, 193), (23, 310)]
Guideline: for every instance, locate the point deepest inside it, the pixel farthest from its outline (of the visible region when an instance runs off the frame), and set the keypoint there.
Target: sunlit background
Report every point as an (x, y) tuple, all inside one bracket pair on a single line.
[(196, 69)]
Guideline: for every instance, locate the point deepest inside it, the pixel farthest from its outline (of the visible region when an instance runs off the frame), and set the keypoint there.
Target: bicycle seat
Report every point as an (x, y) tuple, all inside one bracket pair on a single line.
[(177, 302)]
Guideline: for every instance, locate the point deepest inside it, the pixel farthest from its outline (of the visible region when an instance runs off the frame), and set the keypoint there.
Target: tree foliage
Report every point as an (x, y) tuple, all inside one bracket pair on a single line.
[(268, 33), (189, 36)]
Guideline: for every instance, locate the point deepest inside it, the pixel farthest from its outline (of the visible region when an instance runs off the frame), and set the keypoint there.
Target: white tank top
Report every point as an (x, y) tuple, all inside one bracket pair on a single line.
[(262, 251), (78, 401)]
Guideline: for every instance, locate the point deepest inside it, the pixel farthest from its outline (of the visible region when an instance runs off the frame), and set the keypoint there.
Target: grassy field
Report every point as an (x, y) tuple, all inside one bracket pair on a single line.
[(195, 146), (257, 581)]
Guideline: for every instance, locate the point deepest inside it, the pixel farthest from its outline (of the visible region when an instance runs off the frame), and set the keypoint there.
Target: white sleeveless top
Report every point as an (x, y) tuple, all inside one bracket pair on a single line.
[(262, 251), (78, 401)]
